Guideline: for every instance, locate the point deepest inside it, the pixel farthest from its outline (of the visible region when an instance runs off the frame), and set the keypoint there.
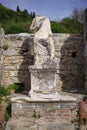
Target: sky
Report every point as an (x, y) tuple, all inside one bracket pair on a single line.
[(54, 9)]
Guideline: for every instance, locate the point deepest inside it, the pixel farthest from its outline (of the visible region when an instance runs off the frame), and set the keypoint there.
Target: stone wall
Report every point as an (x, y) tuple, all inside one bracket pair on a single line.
[(1, 52), (69, 57), (15, 63), (85, 51), (43, 116), (69, 54)]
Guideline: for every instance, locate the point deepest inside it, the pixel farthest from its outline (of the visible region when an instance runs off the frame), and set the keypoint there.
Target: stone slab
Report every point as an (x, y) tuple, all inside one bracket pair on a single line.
[(61, 98)]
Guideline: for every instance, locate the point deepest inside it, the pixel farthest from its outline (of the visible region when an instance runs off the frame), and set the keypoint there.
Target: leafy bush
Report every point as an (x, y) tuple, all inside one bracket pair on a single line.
[(72, 25), (8, 111), (3, 91), (14, 29), (17, 88), (17, 28), (58, 28)]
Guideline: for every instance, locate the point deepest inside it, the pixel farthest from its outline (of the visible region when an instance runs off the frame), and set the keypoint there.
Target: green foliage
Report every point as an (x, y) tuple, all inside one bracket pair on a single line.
[(17, 88), (18, 28), (58, 28), (32, 14), (6, 116), (12, 86), (19, 21), (37, 115), (8, 111), (15, 22), (72, 25), (8, 108), (24, 15), (67, 25), (7, 14), (18, 9), (3, 91), (0, 100)]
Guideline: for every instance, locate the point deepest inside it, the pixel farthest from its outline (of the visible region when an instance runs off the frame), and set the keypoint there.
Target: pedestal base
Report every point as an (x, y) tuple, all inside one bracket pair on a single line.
[(43, 81), (43, 114)]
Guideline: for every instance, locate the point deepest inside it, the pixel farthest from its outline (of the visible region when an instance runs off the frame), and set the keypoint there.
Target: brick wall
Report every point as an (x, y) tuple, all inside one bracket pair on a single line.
[(44, 114)]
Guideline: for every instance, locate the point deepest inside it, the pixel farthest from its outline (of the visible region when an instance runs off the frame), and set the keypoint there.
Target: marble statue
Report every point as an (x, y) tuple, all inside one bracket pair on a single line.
[(43, 72), (43, 40)]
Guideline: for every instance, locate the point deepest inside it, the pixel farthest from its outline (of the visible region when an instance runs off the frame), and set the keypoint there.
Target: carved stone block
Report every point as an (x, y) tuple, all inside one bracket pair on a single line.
[(43, 79)]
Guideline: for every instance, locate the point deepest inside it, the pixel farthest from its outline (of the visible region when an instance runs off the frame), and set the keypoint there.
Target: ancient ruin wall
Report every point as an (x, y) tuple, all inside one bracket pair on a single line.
[(1, 52), (69, 57), (69, 52)]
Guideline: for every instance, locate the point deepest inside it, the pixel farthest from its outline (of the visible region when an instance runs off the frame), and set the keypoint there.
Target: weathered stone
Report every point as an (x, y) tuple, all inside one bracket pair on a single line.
[(10, 52), (14, 37), (67, 66), (7, 60), (43, 40), (31, 115), (13, 73), (59, 85), (34, 127), (43, 79), (20, 44), (14, 59), (9, 67), (16, 79), (22, 67)]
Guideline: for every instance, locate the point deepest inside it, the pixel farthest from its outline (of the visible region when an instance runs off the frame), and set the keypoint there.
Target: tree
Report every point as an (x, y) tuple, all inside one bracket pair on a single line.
[(33, 14), (24, 15), (18, 9), (78, 15), (72, 24), (57, 27)]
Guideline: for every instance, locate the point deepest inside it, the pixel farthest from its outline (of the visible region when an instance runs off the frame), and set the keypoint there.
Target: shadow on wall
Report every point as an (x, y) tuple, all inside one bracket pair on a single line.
[(23, 72), (72, 63)]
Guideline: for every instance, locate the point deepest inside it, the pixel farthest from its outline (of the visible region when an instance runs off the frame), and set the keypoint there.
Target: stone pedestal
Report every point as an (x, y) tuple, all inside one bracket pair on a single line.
[(43, 114), (43, 81)]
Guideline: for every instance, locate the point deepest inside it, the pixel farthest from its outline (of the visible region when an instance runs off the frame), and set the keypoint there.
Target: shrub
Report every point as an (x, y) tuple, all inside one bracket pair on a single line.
[(17, 88), (58, 28), (3, 91), (14, 28), (8, 111)]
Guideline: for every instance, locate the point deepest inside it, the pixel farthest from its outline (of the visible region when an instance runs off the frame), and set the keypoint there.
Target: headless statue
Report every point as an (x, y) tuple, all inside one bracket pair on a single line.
[(43, 40)]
